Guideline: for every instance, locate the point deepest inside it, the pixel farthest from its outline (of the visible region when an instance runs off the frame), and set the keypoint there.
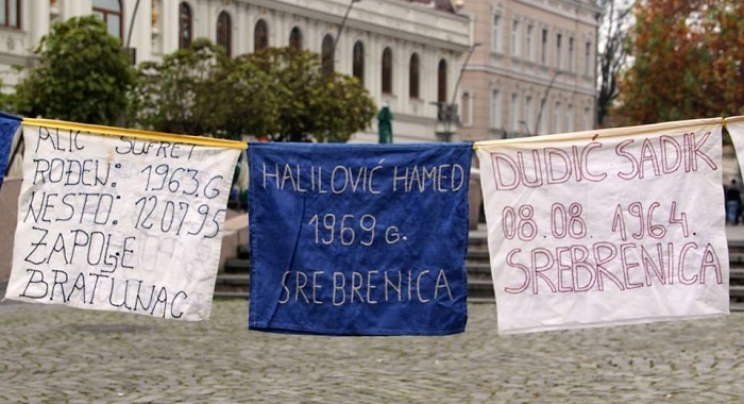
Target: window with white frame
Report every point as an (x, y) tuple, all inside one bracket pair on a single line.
[(260, 36), (326, 55), (495, 109), (442, 81), (10, 14), (496, 34), (544, 48), (558, 38), (557, 118), (387, 71), (185, 25), (295, 39), (530, 43), (514, 113), (414, 74), (224, 32), (527, 114), (571, 54), (358, 64), (570, 119), (109, 11), (541, 120), (516, 40), (466, 114), (588, 64)]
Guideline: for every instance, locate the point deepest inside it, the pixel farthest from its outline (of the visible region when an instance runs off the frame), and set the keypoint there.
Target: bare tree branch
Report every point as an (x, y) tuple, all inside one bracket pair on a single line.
[(613, 53)]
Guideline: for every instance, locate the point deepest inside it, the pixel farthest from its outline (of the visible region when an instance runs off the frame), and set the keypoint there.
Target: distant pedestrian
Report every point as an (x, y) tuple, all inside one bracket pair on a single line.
[(733, 203)]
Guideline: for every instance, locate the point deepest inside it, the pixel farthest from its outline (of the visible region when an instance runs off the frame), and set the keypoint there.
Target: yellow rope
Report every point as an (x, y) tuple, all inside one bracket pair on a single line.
[(609, 132), (137, 134)]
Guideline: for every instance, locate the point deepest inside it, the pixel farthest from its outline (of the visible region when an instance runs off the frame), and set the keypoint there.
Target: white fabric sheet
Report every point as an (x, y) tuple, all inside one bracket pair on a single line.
[(608, 227), (114, 223)]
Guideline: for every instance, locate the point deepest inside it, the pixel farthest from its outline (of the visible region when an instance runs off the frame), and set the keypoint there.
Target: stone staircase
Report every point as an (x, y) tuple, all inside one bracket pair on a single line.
[(234, 280), (477, 262), (736, 275)]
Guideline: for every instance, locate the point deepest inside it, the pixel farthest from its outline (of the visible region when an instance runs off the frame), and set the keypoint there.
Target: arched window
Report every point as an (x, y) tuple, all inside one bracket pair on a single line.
[(108, 10), (185, 26), (466, 107), (387, 71), (295, 39), (327, 54), (442, 80), (224, 32), (260, 36), (413, 77), (358, 67)]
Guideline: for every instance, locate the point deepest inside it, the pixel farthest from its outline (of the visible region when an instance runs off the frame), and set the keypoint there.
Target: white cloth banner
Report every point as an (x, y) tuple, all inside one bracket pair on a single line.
[(121, 224), (606, 227)]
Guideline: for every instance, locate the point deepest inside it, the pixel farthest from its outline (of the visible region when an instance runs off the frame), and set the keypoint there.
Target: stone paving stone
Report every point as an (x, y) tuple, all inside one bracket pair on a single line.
[(51, 354)]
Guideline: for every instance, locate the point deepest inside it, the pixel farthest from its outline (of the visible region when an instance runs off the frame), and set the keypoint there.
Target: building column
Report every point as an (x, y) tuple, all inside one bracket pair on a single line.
[(169, 32), (75, 8), (40, 13)]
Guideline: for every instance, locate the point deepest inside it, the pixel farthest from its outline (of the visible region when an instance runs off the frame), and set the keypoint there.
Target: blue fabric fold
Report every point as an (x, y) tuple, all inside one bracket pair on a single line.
[(8, 127)]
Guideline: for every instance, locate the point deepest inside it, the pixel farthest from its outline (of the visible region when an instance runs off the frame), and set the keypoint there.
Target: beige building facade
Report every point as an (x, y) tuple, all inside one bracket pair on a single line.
[(532, 69), (406, 52)]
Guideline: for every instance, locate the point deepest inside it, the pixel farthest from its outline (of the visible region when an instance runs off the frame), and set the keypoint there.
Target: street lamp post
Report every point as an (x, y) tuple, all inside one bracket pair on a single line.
[(544, 99), (526, 126), (341, 26), (131, 23), (132, 54), (450, 112)]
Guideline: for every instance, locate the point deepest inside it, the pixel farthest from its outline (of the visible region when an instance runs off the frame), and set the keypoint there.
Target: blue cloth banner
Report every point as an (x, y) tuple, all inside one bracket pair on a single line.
[(353, 239), (8, 126)]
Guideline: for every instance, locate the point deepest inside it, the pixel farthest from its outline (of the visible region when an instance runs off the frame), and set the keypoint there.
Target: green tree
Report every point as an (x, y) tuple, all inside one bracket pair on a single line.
[(242, 100), (83, 75), (686, 61), (199, 91), (169, 95), (278, 93), (313, 104)]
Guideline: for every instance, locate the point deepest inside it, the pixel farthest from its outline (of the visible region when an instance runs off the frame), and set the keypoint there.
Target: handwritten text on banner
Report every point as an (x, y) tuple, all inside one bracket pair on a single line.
[(359, 239), (114, 223), (611, 227)]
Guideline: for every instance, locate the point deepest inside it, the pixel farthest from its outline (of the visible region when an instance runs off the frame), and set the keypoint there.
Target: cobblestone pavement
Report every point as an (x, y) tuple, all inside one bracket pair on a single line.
[(52, 354)]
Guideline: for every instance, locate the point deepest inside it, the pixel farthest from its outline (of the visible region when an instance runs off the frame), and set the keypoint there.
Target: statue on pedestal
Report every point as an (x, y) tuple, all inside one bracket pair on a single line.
[(385, 124)]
